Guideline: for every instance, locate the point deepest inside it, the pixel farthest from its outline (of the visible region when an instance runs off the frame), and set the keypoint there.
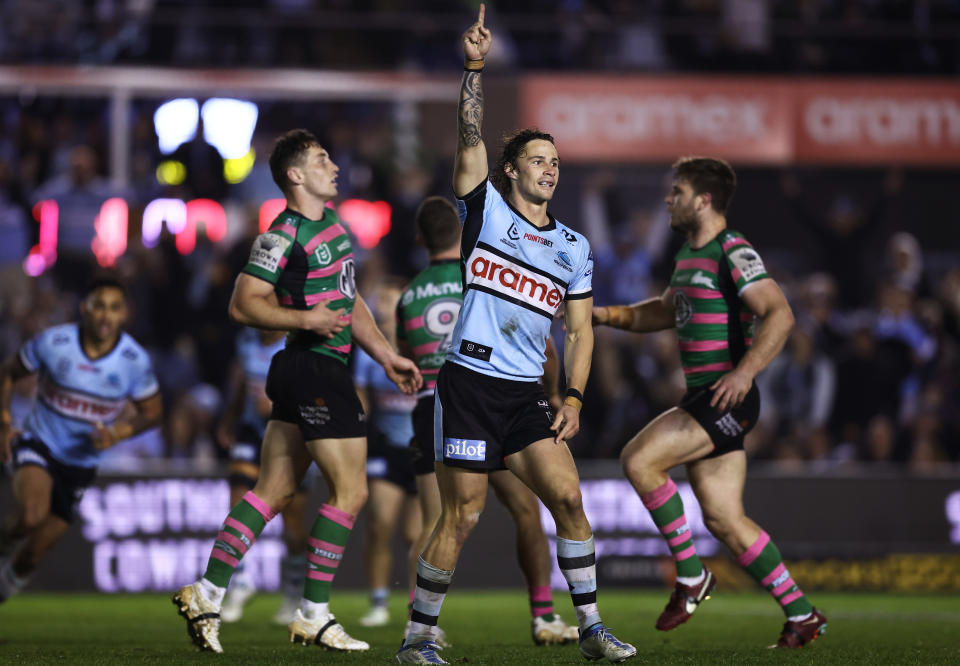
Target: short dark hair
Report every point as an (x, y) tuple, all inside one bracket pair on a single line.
[(437, 223), (289, 150), (513, 148), (709, 175), (105, 281)]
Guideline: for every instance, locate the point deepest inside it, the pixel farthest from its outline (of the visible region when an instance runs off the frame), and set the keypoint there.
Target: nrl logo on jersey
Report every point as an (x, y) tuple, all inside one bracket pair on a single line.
[(323, 254)]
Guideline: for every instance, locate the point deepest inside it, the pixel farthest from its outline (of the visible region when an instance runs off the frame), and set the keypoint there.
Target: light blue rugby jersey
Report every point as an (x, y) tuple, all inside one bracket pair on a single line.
[(75, 392), (255, 359), (515, 277)]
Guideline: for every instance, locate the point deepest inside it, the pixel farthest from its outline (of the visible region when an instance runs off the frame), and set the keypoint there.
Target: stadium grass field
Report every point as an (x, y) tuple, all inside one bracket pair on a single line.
[(487, 627)]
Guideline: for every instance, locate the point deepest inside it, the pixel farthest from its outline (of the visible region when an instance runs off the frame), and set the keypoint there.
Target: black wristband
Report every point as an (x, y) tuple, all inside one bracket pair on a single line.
[(574, 393)]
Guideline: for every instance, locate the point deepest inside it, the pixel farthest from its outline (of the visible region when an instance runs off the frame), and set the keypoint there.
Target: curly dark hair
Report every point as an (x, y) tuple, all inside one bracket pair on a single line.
[(709, 175), (513, 148), (289, 149)]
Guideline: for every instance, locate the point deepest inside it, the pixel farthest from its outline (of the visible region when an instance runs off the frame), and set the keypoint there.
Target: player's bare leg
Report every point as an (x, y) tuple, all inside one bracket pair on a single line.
[(463, 495), (718, 483), (343, 463), (548, 469), (672, 438), (533, 554)]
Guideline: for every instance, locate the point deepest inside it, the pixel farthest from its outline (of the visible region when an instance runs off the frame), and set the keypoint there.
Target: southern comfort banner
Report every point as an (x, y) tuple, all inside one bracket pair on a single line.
[(747, 120)]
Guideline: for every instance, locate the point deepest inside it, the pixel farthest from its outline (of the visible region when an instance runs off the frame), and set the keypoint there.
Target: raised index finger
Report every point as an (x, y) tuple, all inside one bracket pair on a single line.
[(480, 17)]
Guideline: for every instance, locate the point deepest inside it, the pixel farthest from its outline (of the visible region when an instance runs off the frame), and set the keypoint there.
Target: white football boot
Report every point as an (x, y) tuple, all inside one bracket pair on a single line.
[(324, 631), (202, 616)]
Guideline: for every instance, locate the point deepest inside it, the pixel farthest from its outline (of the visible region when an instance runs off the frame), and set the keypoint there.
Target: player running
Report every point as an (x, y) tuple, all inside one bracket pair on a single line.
[(241, 430), (518, 265), (719, 294), (300, 278), (426, 316), (88, 375)]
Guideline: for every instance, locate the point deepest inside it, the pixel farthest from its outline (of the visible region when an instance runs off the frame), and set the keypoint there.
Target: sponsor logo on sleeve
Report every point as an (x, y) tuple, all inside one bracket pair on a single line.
[(465, 449), (748, 262), (267, 251)]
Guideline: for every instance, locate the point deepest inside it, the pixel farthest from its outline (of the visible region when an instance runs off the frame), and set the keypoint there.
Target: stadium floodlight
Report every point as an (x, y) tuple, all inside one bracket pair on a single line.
[(175, 123), (228, 125)]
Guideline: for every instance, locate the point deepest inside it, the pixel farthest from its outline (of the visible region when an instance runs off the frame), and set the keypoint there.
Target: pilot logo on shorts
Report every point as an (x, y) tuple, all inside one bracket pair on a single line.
[(465, 449), (682, 308)]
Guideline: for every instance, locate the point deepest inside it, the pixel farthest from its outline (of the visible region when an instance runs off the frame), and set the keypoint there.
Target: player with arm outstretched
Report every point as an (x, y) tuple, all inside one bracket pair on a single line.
[(732, 319), (88, 373), (300, 278), (518, 264)]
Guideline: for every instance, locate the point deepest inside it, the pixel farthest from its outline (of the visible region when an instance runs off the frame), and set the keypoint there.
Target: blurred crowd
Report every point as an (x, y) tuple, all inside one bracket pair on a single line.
[(870, 373), (882, 36)]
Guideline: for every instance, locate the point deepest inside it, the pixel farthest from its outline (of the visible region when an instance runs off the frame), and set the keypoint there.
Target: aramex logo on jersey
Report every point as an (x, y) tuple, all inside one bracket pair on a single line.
[(514, 281)]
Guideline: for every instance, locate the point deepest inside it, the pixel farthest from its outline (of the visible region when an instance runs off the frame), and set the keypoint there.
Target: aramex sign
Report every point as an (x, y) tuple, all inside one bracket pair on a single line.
[(747, 120)]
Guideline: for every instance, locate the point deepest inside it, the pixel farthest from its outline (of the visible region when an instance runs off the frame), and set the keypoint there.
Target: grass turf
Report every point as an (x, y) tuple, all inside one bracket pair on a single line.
[(488, 627)]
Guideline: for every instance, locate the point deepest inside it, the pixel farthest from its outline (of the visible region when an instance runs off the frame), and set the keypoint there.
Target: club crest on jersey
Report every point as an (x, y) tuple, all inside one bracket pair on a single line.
[(323, 254), (565, 262), (682, 308)]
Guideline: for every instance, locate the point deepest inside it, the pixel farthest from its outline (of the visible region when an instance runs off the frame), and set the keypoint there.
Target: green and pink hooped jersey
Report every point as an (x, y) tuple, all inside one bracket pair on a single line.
[(309, 262), (427, 314), (714, 326)]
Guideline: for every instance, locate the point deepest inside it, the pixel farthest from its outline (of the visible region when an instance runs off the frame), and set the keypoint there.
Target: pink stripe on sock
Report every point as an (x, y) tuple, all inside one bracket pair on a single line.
[(753, 552), (677, 540), (259, 505), (233, 541), (338, 516), (319, 575), (537, 612), (218, 554), (783, 587), (685, 554), (659, 496), (235, 524), (540, 593), (773, 575), (793, 596), (325, 545), (323, 561), (675, 525), (413, 593)]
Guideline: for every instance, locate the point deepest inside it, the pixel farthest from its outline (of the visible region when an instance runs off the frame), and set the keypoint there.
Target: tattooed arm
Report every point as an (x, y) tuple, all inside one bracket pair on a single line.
[(470, 165)]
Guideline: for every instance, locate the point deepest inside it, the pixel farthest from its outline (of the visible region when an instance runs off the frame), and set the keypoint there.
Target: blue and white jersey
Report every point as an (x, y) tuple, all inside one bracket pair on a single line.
[(255, 357), (515, 277), (76, 392), (391, 408)]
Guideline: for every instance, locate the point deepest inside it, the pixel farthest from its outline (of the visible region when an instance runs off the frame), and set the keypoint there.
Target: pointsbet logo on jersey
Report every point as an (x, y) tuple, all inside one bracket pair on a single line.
[(465, 449)]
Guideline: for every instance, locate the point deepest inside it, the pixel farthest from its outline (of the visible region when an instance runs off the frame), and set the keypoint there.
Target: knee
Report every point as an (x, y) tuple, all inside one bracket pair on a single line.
[(720, 524), (355, 498), (31, 518), (463, 523), (632, 462), (569, 502)]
